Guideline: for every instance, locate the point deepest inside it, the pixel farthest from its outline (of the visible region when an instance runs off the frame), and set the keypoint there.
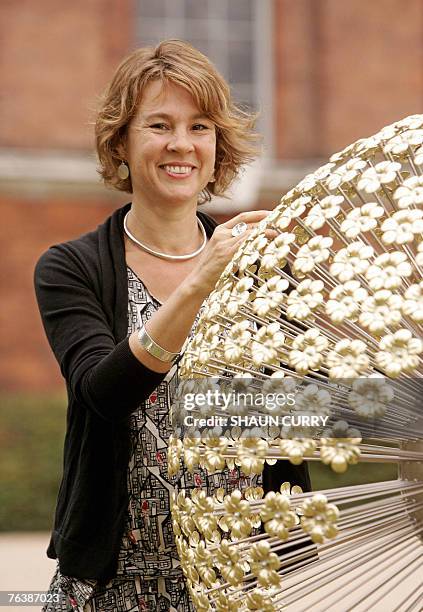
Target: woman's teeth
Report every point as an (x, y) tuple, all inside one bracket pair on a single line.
[(178, 169)]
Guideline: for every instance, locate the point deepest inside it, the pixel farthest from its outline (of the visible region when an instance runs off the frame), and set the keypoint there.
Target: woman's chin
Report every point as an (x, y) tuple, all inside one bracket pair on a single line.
[(181, 197)]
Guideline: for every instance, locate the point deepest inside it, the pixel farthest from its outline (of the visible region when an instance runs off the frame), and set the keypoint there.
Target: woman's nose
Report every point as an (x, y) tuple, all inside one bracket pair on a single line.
[(180, 140)]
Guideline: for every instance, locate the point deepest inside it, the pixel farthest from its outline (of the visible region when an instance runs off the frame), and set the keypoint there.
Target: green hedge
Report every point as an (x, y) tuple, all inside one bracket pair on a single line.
[(322, 477), (31, 441), (32, 431)]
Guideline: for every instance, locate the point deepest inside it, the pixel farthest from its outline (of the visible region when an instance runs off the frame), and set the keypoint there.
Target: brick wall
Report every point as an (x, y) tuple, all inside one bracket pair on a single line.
[(26, 361), (56, 57), (344, 70)]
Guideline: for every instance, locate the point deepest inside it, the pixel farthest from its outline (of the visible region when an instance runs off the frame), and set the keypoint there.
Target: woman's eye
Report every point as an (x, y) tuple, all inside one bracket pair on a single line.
[(159, 126), (200, 127)]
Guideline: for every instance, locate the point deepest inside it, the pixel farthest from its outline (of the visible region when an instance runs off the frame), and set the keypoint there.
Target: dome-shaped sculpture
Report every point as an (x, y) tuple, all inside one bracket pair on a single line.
[(327, 312)]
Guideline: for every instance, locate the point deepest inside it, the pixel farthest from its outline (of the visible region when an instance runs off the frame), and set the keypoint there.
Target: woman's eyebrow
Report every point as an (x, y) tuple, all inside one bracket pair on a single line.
[(169, 117)]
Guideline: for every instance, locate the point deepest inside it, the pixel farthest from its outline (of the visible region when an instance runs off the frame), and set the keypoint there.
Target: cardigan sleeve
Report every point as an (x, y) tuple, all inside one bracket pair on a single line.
[(103, 375)]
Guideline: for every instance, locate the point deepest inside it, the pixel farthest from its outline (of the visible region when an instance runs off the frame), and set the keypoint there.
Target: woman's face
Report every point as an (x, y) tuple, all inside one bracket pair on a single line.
[(170, 148)]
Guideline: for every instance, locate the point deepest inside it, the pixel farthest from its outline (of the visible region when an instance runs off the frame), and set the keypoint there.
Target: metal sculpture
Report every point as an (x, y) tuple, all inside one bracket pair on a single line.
[(329, 313)]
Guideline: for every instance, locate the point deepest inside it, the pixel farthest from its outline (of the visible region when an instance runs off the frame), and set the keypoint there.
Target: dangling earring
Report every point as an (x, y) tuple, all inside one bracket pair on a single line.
[(123, 171)]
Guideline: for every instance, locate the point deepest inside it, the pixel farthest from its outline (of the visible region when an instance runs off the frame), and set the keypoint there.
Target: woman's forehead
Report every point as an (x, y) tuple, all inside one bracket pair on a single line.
[(165, 98)]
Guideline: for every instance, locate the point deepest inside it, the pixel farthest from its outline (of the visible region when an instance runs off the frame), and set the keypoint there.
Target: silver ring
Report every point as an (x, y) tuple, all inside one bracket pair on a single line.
[(239, 229)]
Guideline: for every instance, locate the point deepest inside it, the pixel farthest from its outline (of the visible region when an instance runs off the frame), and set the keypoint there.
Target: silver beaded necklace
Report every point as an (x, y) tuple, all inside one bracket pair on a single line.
[(167, 256)]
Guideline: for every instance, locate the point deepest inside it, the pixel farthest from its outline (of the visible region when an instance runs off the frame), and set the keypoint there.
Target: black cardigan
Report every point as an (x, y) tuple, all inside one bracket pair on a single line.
[(82, 292)]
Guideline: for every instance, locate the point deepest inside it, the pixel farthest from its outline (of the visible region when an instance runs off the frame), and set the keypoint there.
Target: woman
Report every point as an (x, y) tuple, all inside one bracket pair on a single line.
[(169, 134), (117, 305)]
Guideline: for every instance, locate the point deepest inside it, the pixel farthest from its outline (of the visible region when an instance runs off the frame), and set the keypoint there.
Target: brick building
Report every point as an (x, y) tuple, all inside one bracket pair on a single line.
[(322, 72)]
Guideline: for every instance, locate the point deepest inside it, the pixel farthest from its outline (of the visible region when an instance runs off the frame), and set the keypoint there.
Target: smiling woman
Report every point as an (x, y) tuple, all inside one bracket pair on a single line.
[(118, 304), (178, 63)]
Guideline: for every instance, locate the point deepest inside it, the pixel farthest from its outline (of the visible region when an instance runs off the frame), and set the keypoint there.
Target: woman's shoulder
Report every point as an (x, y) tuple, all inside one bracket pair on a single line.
[(76, 254), (88, 252)]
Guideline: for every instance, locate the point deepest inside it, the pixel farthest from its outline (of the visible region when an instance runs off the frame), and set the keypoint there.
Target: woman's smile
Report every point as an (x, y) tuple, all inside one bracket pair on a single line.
[(177, 170), (171, 148)]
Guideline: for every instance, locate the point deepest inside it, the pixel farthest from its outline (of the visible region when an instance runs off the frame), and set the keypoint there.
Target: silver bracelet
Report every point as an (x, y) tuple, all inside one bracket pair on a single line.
[(155, 349)]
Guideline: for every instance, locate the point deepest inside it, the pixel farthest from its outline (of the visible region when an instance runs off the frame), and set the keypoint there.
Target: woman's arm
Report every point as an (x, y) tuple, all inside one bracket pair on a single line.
[(101, 374), (109, 378), (171, 324)]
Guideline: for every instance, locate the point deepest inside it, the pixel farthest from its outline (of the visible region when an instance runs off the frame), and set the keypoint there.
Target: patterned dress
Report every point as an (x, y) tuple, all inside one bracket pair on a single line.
[(149, 576)]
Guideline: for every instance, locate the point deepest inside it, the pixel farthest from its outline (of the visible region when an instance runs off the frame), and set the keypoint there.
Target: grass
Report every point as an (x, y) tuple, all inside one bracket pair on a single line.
[(322, 477), (31, 440)]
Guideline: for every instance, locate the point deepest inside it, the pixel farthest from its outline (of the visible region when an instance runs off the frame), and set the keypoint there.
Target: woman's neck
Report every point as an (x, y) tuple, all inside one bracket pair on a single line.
[(172, 231)]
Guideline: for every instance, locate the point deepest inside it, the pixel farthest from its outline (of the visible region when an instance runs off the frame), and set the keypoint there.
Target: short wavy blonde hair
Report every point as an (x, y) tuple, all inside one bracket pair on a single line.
[(174, 61)]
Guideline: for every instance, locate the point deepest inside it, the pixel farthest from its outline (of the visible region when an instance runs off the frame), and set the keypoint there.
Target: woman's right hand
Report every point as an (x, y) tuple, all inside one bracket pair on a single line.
[(172, 322), (221, 248)]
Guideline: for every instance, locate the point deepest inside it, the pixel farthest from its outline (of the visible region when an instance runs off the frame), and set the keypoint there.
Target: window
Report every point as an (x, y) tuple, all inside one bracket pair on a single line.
[(231, 33)]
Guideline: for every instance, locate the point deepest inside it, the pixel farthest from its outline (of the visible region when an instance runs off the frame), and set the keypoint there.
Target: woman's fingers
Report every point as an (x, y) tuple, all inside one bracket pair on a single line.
[(223, 245), (251, 219), (243, 222), (250, 216)]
